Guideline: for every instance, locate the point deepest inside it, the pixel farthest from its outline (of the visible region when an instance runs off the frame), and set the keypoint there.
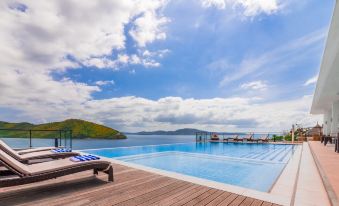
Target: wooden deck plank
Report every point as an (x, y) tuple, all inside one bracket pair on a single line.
[(185, 186), (228, 200), (219, 199), (131, 187), (190, 197), (200, 198), (153, 194), (183, 195), (210, 198), (257, 203), (247, 202), (172, 198), (238, 200), (266, 204)]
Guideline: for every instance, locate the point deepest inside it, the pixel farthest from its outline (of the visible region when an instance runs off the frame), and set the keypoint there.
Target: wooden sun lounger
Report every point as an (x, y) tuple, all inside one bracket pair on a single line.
[(231, 138), (237, 139), (249, 138), (25, 174), (38, 149), (25, 158), (264, 139)]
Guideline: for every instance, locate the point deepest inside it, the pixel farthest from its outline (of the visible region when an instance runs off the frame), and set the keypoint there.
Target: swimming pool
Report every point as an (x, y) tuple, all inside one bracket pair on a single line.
[(254, 166)]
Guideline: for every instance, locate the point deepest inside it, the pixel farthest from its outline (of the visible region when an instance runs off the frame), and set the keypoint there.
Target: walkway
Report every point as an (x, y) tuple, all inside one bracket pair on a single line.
[(328, 163)]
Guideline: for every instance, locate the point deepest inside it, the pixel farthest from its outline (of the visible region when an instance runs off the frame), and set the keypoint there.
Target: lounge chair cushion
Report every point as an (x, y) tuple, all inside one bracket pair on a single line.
[(13, 163), (60, 150), (59, 164), (38, 149), (83, 158)]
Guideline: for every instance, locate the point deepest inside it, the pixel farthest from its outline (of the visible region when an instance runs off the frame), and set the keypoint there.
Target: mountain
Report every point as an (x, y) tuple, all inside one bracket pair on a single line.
[(80, 129), (186, 131)]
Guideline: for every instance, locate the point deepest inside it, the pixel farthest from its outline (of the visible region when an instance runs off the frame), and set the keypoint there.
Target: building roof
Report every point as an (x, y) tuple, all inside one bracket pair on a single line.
[(327, 90)]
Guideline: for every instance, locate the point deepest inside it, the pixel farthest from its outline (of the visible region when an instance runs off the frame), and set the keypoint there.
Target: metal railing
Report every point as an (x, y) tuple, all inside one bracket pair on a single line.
[(62, 134)]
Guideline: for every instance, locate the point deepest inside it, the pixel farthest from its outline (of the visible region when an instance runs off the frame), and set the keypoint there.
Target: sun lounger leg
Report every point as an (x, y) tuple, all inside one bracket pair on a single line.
[(95, 172), (110, 174)]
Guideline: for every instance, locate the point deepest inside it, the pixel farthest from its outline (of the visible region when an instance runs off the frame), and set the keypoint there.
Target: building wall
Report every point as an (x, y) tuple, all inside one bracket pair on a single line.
[(335, 118)]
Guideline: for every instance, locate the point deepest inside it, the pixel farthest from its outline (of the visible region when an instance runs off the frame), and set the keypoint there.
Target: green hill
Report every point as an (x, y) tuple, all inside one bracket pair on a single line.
[(80, 129)]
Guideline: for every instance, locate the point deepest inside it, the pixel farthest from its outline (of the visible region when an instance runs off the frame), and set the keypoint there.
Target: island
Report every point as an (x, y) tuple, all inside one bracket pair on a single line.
[(81, 129)]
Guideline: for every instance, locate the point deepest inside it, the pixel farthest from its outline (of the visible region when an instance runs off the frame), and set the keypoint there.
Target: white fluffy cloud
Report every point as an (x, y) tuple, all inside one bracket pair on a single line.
[(102, 83), (312, 80), (147, 27), (255, 85), (249, 7), (42, 38), (134, 113)]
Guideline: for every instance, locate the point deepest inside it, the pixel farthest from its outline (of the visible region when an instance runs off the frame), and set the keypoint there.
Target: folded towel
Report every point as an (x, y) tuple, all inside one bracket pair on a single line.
[(83, 158), (60, 150)]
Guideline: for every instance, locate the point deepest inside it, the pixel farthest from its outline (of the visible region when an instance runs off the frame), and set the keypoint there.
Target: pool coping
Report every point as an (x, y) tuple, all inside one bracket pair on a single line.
[(274, 195)]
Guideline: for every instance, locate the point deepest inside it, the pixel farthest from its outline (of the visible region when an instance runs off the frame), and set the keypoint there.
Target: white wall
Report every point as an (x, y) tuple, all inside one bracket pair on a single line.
[(327, 122), (335, 118)]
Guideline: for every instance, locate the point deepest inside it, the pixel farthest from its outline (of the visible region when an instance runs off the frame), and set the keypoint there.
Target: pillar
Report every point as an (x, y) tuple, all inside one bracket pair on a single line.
[(335, 118), (327, 122)]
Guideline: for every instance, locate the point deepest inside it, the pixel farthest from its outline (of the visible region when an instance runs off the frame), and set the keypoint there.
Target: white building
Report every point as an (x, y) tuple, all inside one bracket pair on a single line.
[(326, 97)]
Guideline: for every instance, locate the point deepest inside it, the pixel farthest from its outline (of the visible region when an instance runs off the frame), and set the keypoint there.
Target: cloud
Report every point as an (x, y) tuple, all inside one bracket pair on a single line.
[(62, 34), (312, 80), (249, 8), (255, 85), (220, 4), (281, 57), (41, 39), (102, 83), (147, 27), (135, 113)]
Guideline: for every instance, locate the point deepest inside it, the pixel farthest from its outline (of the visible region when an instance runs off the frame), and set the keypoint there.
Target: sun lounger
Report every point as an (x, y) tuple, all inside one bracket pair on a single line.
[(38, 149), (249, 138), (48, 170), (237, 139), (215, 137), (264, 138), (25, 158), (231, 138)]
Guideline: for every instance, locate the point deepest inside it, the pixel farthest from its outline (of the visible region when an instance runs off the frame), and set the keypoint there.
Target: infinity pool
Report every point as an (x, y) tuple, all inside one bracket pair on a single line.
[(255, 166)]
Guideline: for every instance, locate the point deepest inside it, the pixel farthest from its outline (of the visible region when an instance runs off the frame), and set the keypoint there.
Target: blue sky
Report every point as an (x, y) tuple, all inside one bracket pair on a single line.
[(214, 59), (198, 37)]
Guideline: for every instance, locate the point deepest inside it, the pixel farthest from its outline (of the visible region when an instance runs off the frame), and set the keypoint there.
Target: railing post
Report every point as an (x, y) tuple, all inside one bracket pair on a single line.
[(56, 142), (30, 138), (65, 135), (71, 138), (60, 137)]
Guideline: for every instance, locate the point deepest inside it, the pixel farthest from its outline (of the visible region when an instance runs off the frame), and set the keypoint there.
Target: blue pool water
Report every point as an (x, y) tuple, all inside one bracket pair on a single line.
[(255, 166)]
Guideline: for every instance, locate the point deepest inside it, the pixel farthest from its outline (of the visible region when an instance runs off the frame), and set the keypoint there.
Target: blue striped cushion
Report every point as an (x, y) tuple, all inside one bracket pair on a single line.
[(60, 150), (83, 158)]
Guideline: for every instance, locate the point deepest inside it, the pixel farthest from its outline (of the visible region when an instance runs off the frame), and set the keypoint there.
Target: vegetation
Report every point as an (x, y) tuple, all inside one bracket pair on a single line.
[(80, 129), (278, 138)]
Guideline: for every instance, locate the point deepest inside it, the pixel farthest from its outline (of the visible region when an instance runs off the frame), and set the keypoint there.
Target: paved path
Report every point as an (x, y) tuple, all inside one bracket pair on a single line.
[(328, 164)]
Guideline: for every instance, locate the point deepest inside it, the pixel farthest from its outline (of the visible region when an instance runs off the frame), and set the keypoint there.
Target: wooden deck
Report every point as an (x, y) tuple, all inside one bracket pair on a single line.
[(131, 187)]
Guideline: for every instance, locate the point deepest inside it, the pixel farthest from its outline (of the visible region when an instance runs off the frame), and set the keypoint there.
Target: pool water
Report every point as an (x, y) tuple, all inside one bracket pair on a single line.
[(254, 166)]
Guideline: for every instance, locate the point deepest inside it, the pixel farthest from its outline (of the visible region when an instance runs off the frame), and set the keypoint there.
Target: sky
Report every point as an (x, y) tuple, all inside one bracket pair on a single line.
[(143, 65)]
